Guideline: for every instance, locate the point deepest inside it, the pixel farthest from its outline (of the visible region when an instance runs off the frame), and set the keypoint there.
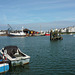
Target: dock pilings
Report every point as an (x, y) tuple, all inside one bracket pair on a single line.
[(55, 35)]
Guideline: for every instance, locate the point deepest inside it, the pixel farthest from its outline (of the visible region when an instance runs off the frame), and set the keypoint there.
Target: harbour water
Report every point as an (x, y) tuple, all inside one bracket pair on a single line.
[(47, 57)]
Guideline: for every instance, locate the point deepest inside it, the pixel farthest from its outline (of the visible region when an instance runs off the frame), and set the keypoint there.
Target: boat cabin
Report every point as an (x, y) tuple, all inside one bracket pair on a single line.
[(13, 51)]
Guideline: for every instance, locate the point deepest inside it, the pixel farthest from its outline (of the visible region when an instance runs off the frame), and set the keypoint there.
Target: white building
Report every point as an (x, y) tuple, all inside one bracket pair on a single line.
[(63, 30), (71, 29)]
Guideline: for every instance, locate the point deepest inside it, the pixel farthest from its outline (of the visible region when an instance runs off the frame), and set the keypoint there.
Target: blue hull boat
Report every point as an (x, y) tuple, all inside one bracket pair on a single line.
[(4, 66)]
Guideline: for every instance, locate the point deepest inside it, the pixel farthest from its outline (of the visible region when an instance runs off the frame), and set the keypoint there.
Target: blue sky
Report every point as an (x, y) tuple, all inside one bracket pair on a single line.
[(36, 11)]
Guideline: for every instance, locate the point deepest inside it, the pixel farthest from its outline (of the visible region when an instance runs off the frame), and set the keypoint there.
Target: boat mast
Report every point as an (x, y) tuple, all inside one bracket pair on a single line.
[(22, 29)]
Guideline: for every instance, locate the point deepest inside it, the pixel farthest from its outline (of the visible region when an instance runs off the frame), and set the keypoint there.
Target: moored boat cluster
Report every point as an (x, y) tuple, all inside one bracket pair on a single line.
[(12, 56), (23, 33)]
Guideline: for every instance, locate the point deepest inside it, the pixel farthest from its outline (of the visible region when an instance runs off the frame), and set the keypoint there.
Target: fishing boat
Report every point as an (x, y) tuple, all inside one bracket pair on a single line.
[(47, 34), (21, 34), (15, 56), (17, 34), (4, 66)]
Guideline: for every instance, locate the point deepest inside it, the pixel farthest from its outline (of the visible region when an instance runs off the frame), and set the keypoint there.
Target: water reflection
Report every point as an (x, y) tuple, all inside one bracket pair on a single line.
[(18, 70)]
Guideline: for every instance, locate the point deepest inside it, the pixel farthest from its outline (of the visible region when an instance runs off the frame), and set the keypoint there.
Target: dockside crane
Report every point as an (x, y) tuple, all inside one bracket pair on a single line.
[(9, 29)]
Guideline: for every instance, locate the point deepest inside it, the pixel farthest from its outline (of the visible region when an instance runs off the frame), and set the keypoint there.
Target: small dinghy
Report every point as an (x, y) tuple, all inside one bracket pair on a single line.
[(15, 56)]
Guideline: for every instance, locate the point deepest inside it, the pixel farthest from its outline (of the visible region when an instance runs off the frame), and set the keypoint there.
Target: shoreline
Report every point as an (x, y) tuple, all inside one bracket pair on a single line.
[(3, 35)]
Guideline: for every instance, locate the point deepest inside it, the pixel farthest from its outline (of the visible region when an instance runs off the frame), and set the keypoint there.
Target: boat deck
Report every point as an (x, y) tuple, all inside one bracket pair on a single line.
[(13, 51)]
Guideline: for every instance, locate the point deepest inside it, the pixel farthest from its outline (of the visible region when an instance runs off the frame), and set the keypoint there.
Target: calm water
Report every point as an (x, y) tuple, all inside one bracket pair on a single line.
[(47, 57)]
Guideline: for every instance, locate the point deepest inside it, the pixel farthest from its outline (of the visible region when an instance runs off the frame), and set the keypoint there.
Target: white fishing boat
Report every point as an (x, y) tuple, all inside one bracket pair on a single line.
[(21, 34), (15, 56), (18, 34)]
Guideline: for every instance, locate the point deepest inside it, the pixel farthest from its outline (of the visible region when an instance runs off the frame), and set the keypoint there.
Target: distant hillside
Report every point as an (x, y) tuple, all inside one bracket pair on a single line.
[(40, 26)]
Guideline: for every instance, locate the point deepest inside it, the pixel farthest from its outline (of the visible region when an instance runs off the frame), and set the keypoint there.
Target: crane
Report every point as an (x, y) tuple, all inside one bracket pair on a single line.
[(9, 28)]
